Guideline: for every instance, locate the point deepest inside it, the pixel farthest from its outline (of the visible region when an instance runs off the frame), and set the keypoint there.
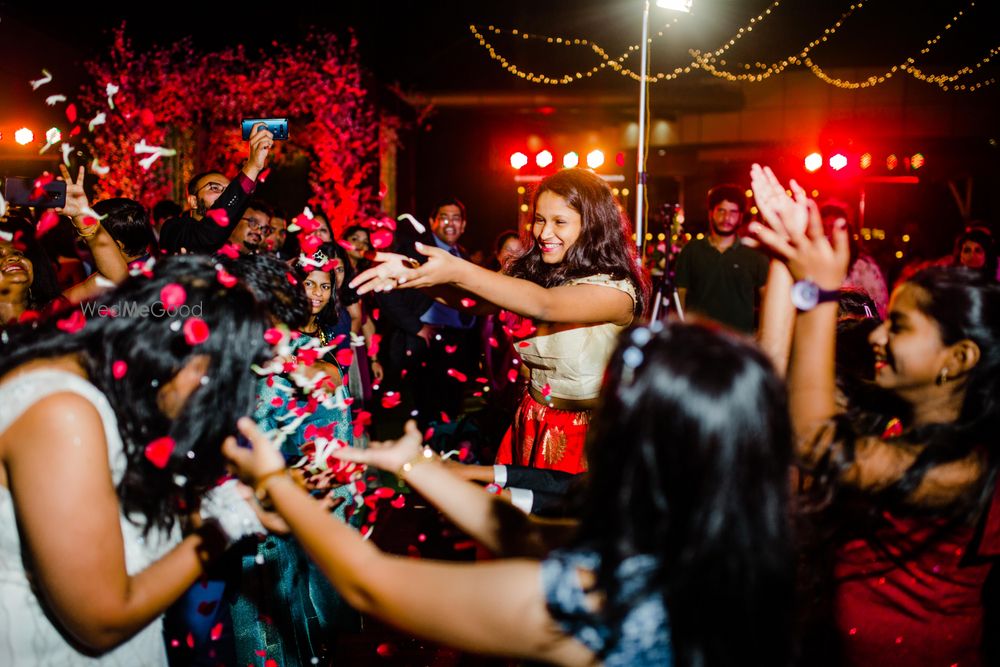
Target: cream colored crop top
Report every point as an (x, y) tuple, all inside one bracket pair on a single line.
[(570, 358)]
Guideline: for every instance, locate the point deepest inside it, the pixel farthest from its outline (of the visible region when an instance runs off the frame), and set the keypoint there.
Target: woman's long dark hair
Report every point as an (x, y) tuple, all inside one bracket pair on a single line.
[(152, 343), (688, 456), (603, 245)]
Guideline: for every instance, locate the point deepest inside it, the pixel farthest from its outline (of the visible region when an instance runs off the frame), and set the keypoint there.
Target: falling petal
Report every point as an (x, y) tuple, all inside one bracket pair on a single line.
[(46, 222), (53, 100), (381, 239), (218, 216), (196, 331), (158, 451), (226, 279), (119, 369), (173, 296), (99, 119), (71, 113), (420, 229), (38, 83), (458, 375), (450, 349), (73, 323), (391, 399)]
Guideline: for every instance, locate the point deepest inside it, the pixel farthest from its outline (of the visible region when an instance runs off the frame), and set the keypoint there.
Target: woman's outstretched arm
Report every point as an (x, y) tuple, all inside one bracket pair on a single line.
[(497, 608), (493, 522), (566, 303)]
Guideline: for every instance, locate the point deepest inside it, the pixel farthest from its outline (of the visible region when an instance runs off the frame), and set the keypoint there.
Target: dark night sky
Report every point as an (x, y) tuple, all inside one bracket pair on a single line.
[(427, 45)]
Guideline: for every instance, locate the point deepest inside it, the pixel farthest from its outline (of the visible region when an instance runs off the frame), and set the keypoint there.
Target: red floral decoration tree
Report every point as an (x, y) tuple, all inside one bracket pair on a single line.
[(177, 98)]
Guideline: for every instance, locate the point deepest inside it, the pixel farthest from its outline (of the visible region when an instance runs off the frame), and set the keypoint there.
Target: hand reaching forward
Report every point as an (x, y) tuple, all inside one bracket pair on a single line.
[(389, 455), (260, 460), (397, 270)]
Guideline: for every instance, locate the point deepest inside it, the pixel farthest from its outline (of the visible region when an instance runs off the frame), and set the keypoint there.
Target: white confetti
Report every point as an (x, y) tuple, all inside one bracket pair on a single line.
[(99, 119), (66, 150), (53, 100), (3, 212), (99, 169), (111, 90), (38, 83), (413, 221)]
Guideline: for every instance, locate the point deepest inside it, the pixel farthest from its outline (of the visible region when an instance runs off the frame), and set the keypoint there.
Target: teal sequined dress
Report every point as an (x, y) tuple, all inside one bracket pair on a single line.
[(282, 603)]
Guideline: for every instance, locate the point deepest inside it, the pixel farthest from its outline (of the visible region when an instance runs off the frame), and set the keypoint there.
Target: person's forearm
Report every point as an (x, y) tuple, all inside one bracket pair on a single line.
[(514, 294), (340, 553), (488, 519), (811, 381), (777, 316), (108, 258), (148, 593)]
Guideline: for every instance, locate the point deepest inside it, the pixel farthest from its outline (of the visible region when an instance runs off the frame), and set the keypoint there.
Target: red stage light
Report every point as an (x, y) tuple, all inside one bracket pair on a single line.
[(813, 161), (543, 159), (620, 159), (518, 160), (917, 161), (866, 160), (838, 161), (891, 162)]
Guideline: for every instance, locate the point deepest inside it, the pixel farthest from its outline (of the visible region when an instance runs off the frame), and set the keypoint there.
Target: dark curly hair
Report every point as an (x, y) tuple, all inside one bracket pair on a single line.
[(603, 246), (151, 341)]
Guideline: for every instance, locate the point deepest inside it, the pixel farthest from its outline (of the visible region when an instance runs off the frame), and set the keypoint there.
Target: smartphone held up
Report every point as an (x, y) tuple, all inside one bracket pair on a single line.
[(278, 127)]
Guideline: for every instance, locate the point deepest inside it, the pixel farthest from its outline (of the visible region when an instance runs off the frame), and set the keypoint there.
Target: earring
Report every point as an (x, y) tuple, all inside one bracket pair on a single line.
[(942, 376)]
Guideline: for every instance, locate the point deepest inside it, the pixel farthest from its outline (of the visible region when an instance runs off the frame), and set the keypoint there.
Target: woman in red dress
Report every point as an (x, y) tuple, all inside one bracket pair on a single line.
[(577, 286), (910, 564)]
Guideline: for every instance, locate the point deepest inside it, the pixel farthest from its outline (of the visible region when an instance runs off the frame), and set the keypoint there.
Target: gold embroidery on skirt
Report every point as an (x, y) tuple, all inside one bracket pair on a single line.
[(553, 446)]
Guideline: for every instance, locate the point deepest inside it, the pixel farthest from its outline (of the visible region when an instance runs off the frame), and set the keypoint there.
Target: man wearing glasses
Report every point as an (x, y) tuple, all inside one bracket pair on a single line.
[(717, 276), (200, 230)]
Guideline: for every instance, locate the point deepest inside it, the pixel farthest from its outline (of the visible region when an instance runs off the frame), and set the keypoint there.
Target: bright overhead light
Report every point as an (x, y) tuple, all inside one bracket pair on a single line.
[(813, 161), (518, 160), (24, 136), (676, 5), (595, 159), (543, 159), (571, 159)]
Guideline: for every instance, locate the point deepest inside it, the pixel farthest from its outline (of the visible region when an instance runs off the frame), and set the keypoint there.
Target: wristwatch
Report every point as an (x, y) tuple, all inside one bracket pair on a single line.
[(806, 295)]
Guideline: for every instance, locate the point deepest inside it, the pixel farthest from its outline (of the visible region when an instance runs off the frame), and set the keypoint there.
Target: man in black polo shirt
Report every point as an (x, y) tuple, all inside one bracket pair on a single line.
[(718, 276)]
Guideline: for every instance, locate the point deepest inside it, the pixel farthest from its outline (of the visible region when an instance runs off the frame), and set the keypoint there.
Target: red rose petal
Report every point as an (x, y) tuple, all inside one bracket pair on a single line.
[(546, 390), (450, 349), (399, 502), (345, 356), (226, 279), (216, 632), (196, 331), (230, 250), (273, 336), (381, 239), (458, 375), (118, 369), (218, 216), (391, 399), (468, 303), (158, 451), (173, 296), (512, 375), (73, 323), (48, 220)]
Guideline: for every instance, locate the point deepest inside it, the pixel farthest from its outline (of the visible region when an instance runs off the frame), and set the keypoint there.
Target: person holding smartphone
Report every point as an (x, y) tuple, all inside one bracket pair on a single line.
[(199, 232)]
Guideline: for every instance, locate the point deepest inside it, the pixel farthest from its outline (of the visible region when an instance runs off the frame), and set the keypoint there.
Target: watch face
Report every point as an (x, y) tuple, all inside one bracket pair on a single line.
[(805, 294)]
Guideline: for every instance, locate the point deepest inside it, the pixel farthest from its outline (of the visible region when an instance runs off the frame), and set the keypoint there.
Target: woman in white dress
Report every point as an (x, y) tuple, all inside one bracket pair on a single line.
[(110, 428)]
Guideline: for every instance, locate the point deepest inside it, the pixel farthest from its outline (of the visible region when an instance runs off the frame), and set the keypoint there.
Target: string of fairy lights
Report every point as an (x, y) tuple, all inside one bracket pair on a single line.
[(712, 60)]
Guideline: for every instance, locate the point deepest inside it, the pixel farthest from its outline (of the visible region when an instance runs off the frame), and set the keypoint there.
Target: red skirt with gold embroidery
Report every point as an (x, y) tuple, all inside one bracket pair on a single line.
[(543, 437)]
